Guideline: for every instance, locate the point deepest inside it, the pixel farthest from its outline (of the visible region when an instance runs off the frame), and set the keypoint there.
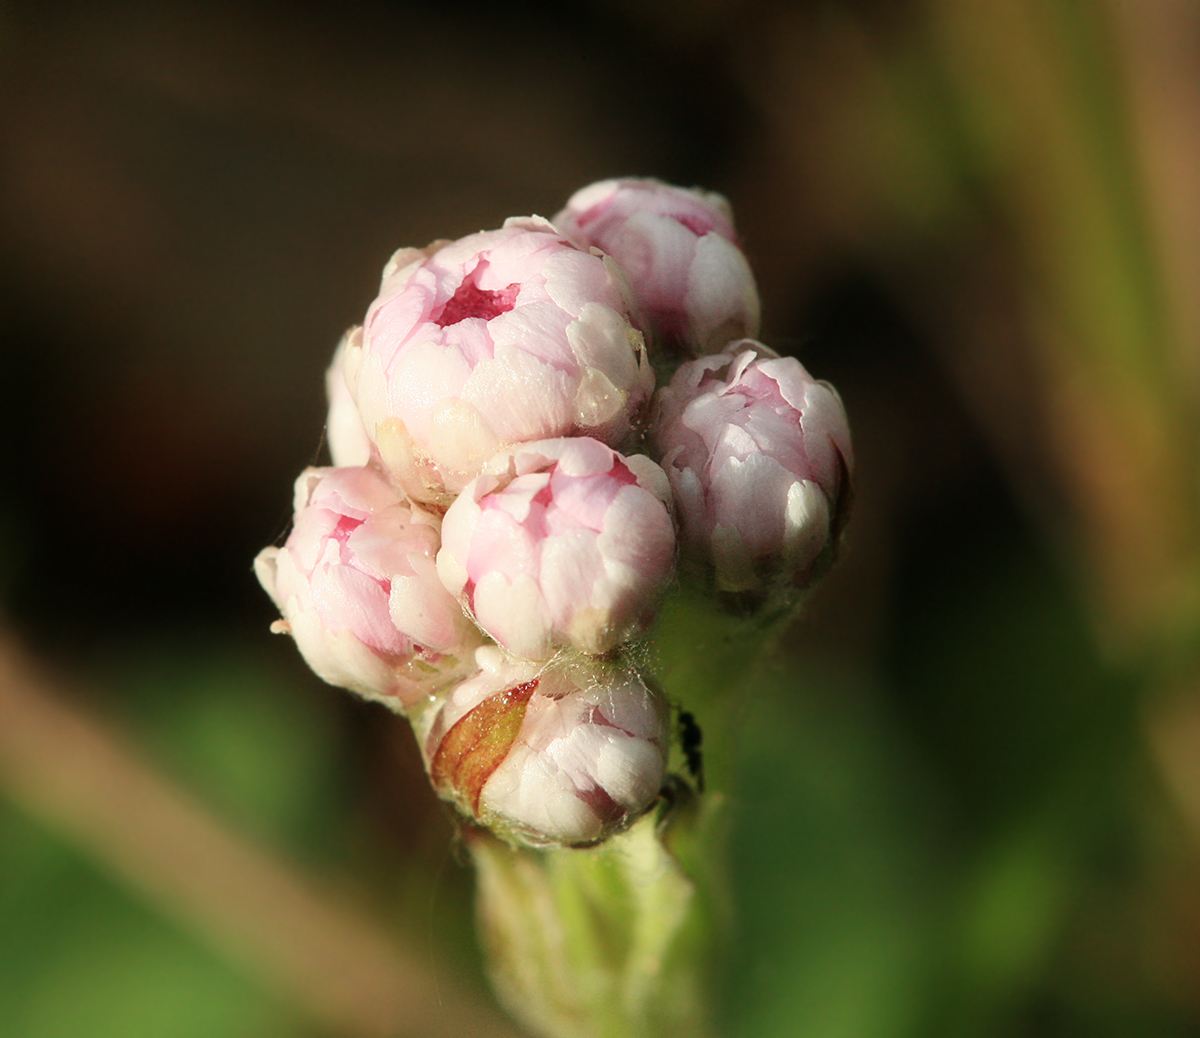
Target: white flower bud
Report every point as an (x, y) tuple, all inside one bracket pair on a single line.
[(679, 251), (560, 544), (564, 753), (759, 458), (358, 589), (503, 337)]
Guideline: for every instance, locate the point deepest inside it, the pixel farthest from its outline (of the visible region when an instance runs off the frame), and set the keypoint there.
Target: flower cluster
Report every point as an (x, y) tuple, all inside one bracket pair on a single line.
[(510, 496)]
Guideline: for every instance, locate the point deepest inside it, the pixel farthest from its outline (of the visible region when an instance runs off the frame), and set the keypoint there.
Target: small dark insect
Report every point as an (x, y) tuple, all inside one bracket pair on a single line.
[(690, 738)]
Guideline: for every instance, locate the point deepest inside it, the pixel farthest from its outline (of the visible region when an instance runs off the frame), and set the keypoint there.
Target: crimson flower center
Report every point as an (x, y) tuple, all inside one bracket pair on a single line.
[(469, 300)]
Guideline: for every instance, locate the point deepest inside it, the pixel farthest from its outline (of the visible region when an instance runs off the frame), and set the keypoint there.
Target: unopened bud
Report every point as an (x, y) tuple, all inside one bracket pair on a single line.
[(560, 544), (678, 249), (565, 753), (358, 589), (503, 337), (759, 458)]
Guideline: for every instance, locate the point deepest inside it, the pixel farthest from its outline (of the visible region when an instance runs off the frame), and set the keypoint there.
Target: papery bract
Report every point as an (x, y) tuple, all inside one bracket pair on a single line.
[(759, 458), (503, 337), (349, 446), (563, 753), (679, 250), (560, 544), (358, 589)]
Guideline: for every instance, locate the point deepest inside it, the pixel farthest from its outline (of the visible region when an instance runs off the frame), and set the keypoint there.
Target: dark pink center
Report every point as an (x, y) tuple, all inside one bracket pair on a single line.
[(621, 473), (346, 525), (472, 301), (341, 533)]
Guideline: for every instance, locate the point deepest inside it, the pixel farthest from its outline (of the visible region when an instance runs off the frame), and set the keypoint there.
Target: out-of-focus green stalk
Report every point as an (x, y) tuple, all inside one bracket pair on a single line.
[(623, 940), (1043, 104), (1000, 139)]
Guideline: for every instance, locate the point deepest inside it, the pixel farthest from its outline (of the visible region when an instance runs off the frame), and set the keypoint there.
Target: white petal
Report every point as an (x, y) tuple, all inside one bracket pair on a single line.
[(722, 300), (264, 569), (515, 615), (806, 529)]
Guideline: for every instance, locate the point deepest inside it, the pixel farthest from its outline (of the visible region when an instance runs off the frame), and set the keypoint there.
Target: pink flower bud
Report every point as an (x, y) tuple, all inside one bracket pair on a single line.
[(348, 443), (560, 544), (679, 251), (502, 337), (358, 589), (759, 458), (558, 754)]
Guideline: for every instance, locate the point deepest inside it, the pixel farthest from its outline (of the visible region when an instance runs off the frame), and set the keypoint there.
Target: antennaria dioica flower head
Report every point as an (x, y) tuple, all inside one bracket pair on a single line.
[(759, 458), (560, 544), (358, 589), (503, 337), (679, 250), (559, 753)]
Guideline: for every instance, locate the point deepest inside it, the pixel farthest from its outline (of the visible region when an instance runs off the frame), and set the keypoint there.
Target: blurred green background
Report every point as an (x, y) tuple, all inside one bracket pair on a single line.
[(970, 796)]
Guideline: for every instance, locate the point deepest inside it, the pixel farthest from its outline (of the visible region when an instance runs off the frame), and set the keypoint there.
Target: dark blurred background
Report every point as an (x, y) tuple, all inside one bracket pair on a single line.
[(972, 804)]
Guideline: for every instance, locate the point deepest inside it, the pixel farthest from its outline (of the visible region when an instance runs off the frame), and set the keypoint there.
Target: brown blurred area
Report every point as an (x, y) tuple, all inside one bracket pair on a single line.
[(980, 221), (198, 200)]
